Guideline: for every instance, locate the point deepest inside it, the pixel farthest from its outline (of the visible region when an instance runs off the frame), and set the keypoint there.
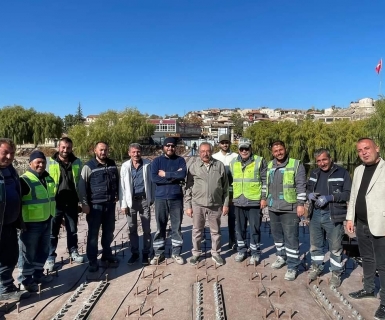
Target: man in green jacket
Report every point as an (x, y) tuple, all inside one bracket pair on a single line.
[(207, 194), (65, 169)]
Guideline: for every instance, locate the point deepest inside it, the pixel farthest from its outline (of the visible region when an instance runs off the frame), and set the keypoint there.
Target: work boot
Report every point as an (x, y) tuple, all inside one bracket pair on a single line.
[(93, 266), (12, 293), (133, 259), (314, 272), (239, 257), (279, 263), (291, 274), (158, 258), (76, 257), (361, 294), (218, 260), (380, 313), (43, 279), (32, 287), (335, 280)]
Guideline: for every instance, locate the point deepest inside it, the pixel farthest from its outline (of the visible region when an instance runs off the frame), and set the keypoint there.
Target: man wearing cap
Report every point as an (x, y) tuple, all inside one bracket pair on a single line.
[(136, 196), (38, 208), (99, 192), (286, 196), (249, 191), (206, 196), (226, 156), (10, 221), (65, 169), (168, 172)]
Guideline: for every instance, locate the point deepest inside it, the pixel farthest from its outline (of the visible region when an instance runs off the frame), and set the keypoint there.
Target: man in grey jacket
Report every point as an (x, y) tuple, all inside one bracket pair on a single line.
[(136, 194), (207, 193), (366, 209), (286, 196)]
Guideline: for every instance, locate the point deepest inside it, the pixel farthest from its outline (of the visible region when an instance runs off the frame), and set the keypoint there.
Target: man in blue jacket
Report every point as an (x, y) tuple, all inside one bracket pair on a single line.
[(328, 190), (168, 172)]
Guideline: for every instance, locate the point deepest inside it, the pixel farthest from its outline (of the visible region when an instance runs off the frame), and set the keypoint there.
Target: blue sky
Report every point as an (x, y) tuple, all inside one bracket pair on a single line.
[(173, 56)]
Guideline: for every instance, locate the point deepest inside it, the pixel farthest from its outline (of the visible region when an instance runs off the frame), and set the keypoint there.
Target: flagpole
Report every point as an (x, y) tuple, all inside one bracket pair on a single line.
[(380, 93)]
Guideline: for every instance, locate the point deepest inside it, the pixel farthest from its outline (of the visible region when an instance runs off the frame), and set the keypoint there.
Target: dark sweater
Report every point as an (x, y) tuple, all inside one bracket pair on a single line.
[(168, 187), (361, 210)]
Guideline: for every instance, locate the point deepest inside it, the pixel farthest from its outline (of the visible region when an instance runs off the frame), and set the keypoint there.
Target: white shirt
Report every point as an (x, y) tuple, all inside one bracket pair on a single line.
[(225, 158)]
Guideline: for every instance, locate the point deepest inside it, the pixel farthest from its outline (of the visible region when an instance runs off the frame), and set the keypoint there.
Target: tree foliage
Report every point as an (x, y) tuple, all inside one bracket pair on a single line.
[(118, 129), (237, 121), (28, 126), (71, 120), (304, 139), (376, 124)]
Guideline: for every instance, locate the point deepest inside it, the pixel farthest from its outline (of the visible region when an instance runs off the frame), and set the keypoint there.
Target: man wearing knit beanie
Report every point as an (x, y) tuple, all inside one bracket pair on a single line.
[(38, 207)]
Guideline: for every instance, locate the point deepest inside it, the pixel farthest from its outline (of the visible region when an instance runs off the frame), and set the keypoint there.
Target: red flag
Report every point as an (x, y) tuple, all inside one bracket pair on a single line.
[(379, 66)]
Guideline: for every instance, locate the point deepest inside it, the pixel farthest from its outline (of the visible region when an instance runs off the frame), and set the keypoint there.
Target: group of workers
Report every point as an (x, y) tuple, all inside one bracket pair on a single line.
[(237, 185)]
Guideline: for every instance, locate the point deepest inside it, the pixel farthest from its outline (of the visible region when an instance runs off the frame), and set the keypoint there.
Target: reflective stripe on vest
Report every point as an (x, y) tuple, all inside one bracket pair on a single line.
[(247, 181), (54, 172), (289, 190), (39, 203)]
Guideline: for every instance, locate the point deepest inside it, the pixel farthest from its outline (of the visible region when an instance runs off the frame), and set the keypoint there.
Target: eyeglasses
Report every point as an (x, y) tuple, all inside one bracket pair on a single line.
[(244, 149), (170, 146)]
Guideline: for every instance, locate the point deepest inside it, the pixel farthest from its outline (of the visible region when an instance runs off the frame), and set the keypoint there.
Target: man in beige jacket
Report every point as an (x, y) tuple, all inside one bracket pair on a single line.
[(367, 210), (207, 194)]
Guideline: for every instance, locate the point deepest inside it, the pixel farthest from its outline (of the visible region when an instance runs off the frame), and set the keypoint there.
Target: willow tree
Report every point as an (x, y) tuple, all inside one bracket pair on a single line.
[(118, 129), (45, 126), (376, 124)]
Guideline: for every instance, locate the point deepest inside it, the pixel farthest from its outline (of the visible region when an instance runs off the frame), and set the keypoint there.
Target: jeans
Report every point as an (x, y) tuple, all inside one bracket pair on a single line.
[(214, 215), (254, 217), (70, 215), (34, 249), (320, 224), (101, 214), (372, 253), (9, 252), (141, 207), (231, 224), (164, 209), (285, 230)]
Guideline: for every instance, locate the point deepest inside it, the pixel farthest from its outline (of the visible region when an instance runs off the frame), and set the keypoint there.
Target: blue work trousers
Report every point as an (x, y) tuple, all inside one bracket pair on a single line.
[(168, 209), (101, 215), (322, 228)]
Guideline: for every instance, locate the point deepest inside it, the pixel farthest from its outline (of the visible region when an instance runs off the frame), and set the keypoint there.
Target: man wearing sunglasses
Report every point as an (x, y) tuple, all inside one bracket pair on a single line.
[(249, 191), (168, 172), (226, 156), (286, 196)]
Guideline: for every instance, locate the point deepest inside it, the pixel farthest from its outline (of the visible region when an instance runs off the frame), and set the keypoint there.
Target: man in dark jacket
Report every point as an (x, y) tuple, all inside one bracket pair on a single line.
[(328, 190), (65, 169), (168, 173), (10, 219), (99, 190)]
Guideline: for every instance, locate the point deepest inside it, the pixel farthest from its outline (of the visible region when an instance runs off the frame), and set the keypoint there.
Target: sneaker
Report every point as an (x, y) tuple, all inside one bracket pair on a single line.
[(13, 293), (239, 257), (194, 260), (361, 294), (133, 259), (76, 257), (279, 263), (314, 272), (32, 287), (93, 267), (290, 274), (49, 265), (43, 279), (380, 313), (158, 258), (335, 280), (254, 259), (218, 260), (177, 258), (145, 259)]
